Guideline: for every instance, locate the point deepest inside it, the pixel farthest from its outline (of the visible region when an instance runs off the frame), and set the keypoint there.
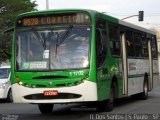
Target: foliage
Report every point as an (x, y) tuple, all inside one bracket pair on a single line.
[(9, 9)]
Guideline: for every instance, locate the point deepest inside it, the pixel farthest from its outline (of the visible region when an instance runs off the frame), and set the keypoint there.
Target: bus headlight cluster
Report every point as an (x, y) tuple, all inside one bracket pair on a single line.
[(84, 80), (20, 83), (76, 83)]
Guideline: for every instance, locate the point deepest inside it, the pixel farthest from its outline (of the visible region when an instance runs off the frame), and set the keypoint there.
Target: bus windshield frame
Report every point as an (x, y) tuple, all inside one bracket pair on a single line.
[(53, 47)]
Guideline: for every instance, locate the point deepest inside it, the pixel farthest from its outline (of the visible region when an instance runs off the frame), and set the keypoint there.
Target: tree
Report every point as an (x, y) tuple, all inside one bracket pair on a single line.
[(9, 9)]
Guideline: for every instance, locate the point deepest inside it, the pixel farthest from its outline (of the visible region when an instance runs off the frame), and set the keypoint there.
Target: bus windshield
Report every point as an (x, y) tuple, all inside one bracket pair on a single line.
[(52, 48)]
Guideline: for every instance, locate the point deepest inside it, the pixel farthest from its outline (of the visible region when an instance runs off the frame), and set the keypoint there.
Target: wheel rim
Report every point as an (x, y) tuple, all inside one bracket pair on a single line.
[(10, 96), (145, 89)]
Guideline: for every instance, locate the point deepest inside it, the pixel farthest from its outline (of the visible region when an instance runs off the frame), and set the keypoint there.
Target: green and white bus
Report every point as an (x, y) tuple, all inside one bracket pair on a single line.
[(75, 56)]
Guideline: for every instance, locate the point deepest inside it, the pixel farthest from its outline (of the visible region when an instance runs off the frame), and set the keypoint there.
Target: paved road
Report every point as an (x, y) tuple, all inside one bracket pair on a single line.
[(125, 109)]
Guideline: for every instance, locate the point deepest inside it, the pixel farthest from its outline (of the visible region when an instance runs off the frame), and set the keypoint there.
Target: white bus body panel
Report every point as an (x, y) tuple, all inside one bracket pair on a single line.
[(87, 90), (136, 71), (156, 80)]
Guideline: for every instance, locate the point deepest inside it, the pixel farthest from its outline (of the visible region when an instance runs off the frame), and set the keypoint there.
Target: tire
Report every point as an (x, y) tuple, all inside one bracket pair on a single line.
[(9, 96), (144, 94), (45, 108), (110, 102), (107, 105)]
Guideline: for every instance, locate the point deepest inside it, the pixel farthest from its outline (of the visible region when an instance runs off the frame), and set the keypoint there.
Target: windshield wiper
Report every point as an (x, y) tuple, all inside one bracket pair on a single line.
[(68, 30), (59, 42), (40, 38)]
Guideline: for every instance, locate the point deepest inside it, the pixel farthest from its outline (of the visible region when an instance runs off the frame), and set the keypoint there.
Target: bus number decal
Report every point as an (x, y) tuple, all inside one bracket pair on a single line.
[(77, 73)]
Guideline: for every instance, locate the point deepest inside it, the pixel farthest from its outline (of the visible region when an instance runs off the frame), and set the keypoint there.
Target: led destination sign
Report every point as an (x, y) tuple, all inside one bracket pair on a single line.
[(77, 18)]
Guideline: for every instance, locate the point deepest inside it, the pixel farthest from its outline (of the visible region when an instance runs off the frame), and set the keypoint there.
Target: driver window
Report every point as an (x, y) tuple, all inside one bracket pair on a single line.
[(101, 42)]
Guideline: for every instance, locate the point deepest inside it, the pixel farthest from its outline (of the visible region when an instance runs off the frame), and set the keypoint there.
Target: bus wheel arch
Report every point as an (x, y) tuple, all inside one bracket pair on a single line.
[(108, 104), (113, 94)]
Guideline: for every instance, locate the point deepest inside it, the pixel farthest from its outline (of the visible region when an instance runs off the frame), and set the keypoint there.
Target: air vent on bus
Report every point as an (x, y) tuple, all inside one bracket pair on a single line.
[(50, 77), (61, 85), (40, 96)]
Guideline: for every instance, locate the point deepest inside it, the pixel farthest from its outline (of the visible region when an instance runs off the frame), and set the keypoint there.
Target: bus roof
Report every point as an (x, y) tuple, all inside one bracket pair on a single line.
[(136, 27), (130, 25), (58, 11)]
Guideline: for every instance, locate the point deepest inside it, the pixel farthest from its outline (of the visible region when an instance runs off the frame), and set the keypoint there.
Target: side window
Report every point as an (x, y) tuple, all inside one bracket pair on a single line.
[(144, 46), (130, 43), (138, 44), (114, 39), (101, 42), (154, 47)]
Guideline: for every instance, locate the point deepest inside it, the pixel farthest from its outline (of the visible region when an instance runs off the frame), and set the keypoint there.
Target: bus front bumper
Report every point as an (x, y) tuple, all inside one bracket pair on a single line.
[(83, 92)]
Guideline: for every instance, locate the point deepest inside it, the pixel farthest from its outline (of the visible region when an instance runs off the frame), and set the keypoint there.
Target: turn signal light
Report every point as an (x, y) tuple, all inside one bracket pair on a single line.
[(17, 78)]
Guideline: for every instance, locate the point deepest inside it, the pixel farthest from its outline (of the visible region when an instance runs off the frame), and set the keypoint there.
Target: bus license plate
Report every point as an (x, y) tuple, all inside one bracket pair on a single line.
[(50, 93)]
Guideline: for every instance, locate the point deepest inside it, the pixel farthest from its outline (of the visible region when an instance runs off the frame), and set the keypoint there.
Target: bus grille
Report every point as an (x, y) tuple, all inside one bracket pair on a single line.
[(59, 96)]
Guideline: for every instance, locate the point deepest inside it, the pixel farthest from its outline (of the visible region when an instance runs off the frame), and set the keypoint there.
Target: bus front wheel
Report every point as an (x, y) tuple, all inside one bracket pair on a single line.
[(108, 105), (45, 108)]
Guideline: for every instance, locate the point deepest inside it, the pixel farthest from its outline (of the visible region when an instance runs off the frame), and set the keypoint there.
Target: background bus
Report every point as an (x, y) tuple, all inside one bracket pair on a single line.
[(68, 56)]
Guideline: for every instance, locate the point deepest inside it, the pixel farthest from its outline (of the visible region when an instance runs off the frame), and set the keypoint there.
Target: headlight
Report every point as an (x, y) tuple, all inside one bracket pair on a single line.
[(3, 85)]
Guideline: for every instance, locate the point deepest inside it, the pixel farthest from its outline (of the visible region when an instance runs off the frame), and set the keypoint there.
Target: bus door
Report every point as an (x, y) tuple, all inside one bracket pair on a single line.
[(150, 64), (124, 63)]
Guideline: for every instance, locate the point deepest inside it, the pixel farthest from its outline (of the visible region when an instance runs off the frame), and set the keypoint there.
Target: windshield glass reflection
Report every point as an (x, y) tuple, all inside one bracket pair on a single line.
[(60, 47), (4, 73)]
